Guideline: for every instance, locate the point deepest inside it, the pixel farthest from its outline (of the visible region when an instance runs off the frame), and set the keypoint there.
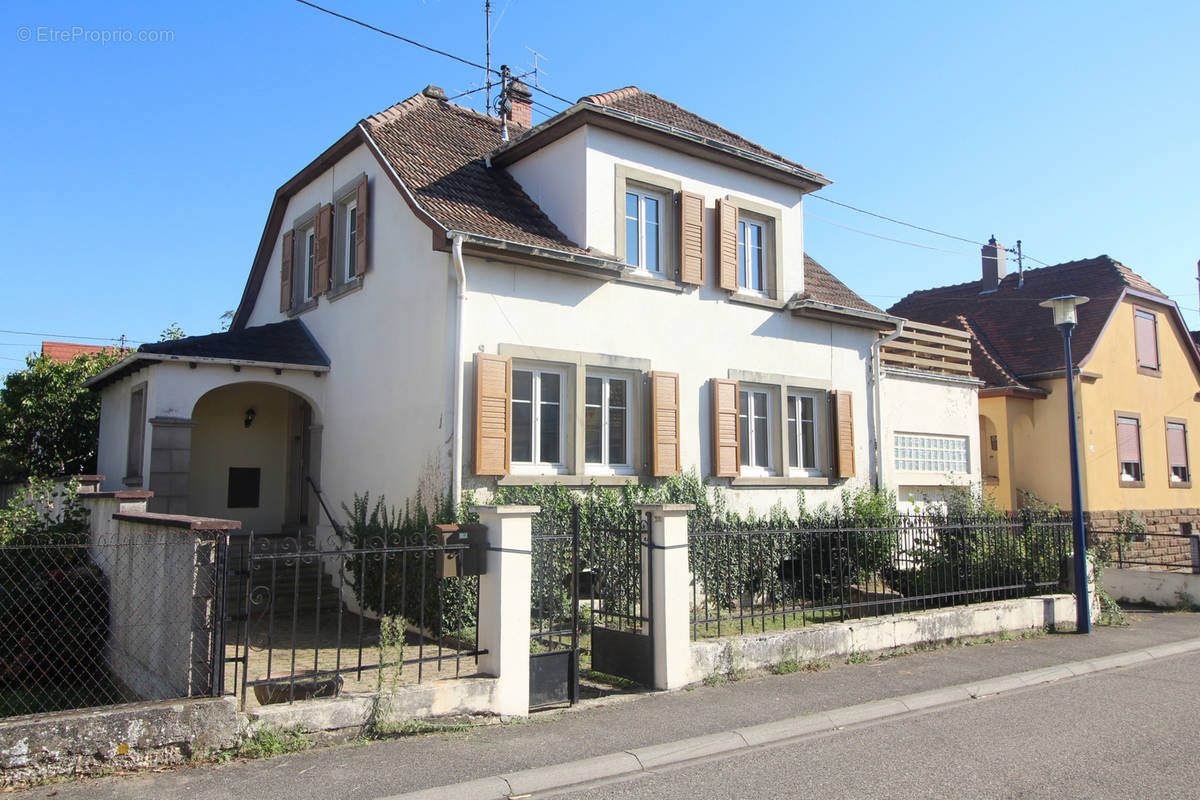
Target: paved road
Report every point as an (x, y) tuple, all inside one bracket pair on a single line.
[(1122, 734)]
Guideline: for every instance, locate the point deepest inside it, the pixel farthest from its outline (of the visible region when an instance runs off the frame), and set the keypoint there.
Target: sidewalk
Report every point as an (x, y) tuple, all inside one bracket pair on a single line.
[(382, 769)]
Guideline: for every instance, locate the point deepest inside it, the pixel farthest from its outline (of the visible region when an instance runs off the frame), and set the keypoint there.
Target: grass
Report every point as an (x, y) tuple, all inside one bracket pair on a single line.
[(596, 676), (418, 727), (858, 657), (783, 620), (792, 665), (270, 742)]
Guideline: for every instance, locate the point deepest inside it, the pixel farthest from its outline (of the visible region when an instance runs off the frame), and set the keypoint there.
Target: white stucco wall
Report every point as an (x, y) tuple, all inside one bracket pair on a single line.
[(113, 445), (926, 405), (555, 176)]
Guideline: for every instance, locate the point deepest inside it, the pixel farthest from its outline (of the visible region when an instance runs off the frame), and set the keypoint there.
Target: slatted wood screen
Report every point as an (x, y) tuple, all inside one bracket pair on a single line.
[(929, 348)]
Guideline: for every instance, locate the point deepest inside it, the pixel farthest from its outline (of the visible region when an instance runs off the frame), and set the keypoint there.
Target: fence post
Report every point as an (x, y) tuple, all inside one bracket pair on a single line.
[(670, 582), (1195, 553), (504, 599)]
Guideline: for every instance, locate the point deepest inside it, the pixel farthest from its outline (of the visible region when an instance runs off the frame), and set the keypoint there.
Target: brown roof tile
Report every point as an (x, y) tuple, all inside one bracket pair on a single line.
[(1010, 326), (822, 286), (65, 351)]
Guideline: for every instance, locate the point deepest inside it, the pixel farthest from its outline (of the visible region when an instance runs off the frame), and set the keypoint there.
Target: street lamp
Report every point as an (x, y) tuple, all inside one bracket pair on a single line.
[(1065, 319)]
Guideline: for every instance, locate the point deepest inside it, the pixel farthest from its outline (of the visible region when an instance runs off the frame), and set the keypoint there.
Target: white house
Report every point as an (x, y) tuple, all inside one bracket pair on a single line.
[(443, 301)]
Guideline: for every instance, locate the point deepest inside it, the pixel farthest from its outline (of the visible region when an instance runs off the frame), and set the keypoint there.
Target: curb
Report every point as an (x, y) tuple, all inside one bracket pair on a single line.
[(651, 757)]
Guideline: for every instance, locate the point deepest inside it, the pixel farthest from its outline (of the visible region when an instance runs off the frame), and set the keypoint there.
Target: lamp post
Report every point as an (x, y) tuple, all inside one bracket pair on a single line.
[(1065, 319)]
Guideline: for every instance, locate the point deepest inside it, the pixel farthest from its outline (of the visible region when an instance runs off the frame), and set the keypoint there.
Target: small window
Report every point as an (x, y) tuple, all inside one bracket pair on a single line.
[(802, 433), (349, 251), (1177, 457), (751, 255), (137, 435), (644, 229), (606, 421), (243, 488), (1129, 449), (1145, 328), (308, 258), (754, 419), (537, 402), (930, 453)]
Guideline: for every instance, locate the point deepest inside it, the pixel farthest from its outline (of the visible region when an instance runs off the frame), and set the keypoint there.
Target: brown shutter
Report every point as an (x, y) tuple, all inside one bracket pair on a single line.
[(323, 235), (841, 413), (285, 272), (726, 432), (493, 413), (1176, 444), (664, 423), (1146, 335), (691, 238), (727, 245), (360, 234), (1128, 447)]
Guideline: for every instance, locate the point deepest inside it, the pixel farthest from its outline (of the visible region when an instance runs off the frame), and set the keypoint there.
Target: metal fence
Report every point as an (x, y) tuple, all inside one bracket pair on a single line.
[(312, 620), (759, 580), (81, 626), (1165, 551)]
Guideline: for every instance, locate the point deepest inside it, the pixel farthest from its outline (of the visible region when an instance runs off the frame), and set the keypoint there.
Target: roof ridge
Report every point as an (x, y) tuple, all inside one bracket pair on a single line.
[(399, 110), (988, 351), (604, 98)]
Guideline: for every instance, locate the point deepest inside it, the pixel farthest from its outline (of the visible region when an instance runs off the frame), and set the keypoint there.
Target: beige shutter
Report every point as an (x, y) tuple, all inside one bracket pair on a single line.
[(726, 433), (323, 235), (691, 238), (727, 245), (664, 423), (1129, 448), (1146, 334), (1177, 444), (285, 272), (360, 234), (493, 413), (841, 414)]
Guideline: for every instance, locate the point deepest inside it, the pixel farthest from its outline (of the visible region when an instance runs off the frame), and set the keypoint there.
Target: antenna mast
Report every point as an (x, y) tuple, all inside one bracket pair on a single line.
[(487, 60), (1020, 267)]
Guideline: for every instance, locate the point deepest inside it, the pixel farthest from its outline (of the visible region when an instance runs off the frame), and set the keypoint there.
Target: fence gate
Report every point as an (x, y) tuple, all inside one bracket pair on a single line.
[(617, 591), (554, 615)]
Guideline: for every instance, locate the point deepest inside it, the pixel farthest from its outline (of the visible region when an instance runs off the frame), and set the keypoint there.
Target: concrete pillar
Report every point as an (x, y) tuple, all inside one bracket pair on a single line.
[(504, 599), (670, 594)]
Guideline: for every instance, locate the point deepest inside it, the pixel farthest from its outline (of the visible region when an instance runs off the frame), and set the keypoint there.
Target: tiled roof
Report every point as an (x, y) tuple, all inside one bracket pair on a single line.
[(1010, 326), (65, 351), (639, 103), (438, 150), (822, 286), (285, 342)]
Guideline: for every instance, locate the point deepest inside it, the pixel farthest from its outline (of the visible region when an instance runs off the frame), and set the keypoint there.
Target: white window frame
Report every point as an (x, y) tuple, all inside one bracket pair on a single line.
[(745, 222), (664, 205), (749, 446), (536, 466), (349, 251), (605, 465), (814, 470), (308, 260)]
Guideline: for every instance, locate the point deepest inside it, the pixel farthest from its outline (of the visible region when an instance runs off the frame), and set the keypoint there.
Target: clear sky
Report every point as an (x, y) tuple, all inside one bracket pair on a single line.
[(142, 171)]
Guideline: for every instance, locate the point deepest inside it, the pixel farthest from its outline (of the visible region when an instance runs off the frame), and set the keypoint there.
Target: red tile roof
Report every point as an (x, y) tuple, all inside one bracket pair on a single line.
[(1011, 333), (822, 286), (65, 351)]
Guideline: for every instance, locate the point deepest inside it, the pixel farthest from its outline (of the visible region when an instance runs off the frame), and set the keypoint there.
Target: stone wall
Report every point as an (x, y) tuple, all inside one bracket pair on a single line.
[(1173, 521)]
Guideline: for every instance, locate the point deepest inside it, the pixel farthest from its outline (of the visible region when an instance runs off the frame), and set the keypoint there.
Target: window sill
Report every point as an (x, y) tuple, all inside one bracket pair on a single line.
[(1131, 484), (343, 289), (307, 305), (1181, 485), (567, 480), (132, 480), (646, 279), (754, 300), (778, 481), (1153, 373)]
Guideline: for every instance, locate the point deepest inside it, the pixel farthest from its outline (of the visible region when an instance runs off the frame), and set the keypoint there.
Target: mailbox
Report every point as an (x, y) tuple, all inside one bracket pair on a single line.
[(458, 563)]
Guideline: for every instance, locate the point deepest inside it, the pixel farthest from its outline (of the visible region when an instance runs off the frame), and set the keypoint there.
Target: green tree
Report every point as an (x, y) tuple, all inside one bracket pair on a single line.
[(172, 332), (49, 423)]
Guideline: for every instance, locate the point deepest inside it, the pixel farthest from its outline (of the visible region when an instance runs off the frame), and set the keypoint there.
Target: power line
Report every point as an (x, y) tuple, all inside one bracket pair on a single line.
[(887, 238), (113, 339)]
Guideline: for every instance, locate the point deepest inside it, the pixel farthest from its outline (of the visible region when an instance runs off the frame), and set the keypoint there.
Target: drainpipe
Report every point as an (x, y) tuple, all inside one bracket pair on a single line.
[(876, 375), (460, 276)]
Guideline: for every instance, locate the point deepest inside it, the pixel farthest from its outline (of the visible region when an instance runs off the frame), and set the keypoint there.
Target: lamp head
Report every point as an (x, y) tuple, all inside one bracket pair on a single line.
[(1064, 308)]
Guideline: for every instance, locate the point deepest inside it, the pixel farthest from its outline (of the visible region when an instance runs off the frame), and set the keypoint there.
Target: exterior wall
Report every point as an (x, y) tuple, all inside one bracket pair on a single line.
[(555, 177), (113, 444), (1032, 454), (1122, 388), (698, 334), (922, 404)]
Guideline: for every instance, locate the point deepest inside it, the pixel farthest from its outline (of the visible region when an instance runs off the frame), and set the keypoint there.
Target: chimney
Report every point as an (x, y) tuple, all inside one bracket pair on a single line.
[(521, 100), (995, 262)]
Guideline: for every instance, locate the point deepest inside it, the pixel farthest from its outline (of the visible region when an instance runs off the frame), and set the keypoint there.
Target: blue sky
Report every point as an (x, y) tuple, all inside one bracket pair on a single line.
[(143, 171)]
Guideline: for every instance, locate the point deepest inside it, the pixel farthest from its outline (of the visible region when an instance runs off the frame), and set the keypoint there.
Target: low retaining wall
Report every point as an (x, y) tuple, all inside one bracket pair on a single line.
[(93, 742), (1152, 587), (840, 639)]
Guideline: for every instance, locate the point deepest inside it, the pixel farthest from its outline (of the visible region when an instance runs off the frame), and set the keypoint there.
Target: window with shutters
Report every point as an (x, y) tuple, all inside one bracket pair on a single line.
[(749, 248), (1145, 329), (755, 422), (606, 425), (1129, 449), (644, 221), (537, 418), (751, 255), (802, 434), (308, 260), (1177, 455), (648, 221), (349, 237)]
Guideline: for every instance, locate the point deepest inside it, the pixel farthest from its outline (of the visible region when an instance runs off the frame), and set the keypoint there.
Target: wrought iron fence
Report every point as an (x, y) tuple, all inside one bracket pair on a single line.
[(315, 619), (115, 619), (1165, 551), (758, 580)]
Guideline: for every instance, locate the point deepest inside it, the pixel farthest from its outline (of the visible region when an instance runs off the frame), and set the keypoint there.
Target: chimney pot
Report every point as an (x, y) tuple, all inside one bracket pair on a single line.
[(434, 92), (995, 264), (521, 100)]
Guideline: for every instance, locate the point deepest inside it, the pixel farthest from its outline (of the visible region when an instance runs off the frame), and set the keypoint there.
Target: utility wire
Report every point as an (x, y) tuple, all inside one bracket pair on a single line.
[(887, 238), (114, 339)]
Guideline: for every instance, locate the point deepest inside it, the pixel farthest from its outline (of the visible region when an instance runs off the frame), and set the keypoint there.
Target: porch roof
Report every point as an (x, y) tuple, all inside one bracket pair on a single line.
[(280, 345)]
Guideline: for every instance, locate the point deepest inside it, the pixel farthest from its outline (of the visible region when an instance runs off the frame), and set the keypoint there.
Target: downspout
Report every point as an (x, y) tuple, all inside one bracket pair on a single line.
[(460, 277), (876, 377)]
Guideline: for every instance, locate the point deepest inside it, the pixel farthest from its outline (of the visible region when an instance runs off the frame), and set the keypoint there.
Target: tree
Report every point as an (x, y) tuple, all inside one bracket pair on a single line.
[(172, 332), (49, 423)]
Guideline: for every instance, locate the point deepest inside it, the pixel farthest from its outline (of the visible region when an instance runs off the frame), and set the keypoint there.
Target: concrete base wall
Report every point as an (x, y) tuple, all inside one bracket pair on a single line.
[(839, 640), (1152, 587)]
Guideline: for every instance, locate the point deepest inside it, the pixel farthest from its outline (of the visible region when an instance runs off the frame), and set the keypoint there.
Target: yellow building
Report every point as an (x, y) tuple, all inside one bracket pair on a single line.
[(1137, 398)]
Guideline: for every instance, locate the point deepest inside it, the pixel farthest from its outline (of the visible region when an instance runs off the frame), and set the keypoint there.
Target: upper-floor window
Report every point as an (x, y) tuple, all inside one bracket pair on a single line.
[(350, 225), (802, 432), (1129, 448), (644, 210), (1177, 456), (751, 255), (537, 400), (606, 421), (1145, 330)]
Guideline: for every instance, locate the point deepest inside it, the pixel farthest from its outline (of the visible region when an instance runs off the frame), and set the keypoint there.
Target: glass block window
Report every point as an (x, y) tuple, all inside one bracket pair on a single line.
[(931, 453)]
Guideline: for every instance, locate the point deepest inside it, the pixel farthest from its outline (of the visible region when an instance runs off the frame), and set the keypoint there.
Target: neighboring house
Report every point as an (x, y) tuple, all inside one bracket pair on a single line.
[(63, 352), (441, 302), (1137, 394)]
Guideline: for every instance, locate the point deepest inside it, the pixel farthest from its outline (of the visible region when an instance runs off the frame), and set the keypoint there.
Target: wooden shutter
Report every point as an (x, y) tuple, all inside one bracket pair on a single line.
[(1145, 330), (360, 234), (1176, 444), (1129, 448), (664, 423), (841, 417), (726, 432), (323, 236), (285, 272), (691, 238), (493, 413), (727, 245)]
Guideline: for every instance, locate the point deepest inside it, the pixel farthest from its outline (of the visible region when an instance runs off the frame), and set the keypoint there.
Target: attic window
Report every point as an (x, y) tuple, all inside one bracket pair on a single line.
[(1145, 330)]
